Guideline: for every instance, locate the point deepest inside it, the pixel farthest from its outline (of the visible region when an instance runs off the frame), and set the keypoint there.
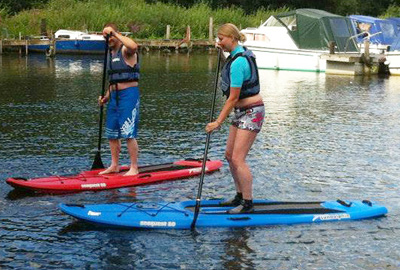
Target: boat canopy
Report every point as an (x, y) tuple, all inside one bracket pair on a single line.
[(315, 29), (385, 30)]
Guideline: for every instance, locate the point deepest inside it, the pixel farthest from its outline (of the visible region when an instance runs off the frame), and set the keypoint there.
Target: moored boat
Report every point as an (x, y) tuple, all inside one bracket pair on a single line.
[(76, 42), (296, 40)]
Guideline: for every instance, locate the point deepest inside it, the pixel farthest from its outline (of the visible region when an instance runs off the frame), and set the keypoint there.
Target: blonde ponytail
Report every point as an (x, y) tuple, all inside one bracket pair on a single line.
[(230, 30)]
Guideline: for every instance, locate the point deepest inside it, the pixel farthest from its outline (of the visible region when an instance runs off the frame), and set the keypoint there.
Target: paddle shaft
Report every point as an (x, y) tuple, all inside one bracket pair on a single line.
[(203, 168), (97, 163)]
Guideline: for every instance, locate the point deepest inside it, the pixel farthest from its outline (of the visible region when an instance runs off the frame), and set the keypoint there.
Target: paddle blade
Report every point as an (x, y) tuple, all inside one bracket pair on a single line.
[(97, 163)]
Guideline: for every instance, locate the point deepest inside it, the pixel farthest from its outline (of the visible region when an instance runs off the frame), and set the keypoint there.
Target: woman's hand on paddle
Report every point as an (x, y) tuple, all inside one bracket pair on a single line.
[(213, 126)]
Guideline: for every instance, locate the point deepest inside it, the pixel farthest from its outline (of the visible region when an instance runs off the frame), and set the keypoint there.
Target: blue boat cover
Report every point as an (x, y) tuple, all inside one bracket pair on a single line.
[(388, 28)]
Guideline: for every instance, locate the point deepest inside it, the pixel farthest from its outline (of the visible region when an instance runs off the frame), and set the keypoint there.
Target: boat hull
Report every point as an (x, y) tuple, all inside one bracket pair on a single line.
[(73, 47)]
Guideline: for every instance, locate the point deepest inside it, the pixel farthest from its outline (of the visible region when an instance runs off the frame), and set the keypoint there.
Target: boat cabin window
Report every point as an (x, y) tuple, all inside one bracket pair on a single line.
[(249, 37), (64, 36), (259, 37), (339, 27), (85, 37)]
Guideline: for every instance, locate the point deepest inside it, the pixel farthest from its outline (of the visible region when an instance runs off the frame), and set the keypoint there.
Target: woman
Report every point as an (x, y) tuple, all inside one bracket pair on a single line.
[(240, 84)]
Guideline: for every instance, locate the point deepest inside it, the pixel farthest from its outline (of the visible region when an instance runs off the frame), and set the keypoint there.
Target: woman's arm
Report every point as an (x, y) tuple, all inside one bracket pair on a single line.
[(228, 106)]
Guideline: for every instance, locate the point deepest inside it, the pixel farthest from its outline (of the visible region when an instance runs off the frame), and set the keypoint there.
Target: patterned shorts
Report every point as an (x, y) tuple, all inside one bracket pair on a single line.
[(250, 118), (123, 114)]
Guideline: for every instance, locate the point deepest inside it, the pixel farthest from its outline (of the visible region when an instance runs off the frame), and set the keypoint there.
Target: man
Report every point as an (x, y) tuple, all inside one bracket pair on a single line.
[(124, 98)]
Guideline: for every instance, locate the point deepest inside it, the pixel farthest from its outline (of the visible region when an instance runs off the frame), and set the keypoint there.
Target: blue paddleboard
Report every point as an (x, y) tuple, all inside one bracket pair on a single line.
[(179, 215)]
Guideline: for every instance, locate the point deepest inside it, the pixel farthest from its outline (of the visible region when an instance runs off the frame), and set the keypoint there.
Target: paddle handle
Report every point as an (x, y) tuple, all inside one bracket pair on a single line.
[(203, 167), (103, 90)]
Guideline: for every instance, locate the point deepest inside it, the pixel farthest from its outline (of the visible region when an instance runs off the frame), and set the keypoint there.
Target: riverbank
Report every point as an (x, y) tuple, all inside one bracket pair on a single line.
[(144, 20)]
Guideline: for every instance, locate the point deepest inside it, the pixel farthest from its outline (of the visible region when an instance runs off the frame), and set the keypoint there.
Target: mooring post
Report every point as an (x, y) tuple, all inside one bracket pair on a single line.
[(26, 46), (168, 33), (1, 46), (188, 38), (210, 30), (19, 45)]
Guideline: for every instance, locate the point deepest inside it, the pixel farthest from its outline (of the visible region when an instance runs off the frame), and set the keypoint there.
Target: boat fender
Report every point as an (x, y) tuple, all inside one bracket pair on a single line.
[(75, 205), (239, 218), (367, 202), (344, 203)]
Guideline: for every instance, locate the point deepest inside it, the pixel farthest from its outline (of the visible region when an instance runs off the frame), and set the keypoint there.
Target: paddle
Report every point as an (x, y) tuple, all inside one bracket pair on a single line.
[(97, 163), (203, 169)]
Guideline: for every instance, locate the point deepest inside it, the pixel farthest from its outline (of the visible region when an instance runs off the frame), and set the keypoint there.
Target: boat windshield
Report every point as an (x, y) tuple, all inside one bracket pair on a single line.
[(289, 22), (388, 29)]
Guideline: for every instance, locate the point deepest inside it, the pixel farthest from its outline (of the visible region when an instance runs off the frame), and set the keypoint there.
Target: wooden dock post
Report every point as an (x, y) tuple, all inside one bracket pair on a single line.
[(210, 30), (168, 33), (20, 49), (188, 32), (26, 46), (1, 46)]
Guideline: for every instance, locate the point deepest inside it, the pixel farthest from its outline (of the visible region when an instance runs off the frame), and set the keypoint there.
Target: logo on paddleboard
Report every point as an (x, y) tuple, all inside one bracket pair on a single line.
[(196, 170), (331, 217), (95, 214), (157, 223), (98, 185)]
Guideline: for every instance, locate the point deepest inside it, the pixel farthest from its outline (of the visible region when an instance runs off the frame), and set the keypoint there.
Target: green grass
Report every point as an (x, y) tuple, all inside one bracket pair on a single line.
[(150, 20)]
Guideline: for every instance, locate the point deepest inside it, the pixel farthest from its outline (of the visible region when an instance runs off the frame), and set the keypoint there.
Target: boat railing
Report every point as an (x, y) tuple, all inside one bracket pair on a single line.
[(367, 37)]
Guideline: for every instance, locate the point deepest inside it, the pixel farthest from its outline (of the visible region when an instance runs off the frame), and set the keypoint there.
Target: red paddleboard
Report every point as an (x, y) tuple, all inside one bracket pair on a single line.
[(91, 180)]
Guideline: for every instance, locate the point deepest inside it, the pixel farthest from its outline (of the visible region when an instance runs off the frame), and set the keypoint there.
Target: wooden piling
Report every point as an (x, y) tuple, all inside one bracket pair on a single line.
[(168, 33), (20, 37), (1, 46), (188, 33), (26, 46), (210, 30)]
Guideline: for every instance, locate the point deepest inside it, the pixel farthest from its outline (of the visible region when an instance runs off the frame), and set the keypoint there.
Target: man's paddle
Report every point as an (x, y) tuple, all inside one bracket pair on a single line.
[(97, 163), (203, 169)]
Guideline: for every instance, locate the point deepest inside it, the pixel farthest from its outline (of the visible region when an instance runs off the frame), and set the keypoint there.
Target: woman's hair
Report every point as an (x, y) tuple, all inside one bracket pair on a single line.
[(230, 30), (112, 25)]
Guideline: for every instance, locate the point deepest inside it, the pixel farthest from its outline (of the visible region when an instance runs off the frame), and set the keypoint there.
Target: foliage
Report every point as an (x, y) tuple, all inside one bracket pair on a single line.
[(392, 11), (149, 20)]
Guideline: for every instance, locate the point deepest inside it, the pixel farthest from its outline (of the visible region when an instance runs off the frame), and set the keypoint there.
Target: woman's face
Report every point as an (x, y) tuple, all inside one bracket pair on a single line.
[(226, 43)]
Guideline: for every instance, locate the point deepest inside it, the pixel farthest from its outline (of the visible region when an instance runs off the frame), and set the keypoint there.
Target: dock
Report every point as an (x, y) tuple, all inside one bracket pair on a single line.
[(22, 45), (354, 64)]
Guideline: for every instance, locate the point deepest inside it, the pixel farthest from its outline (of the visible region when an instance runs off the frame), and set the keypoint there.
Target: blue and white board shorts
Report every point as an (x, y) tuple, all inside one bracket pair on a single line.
[(123, 114)]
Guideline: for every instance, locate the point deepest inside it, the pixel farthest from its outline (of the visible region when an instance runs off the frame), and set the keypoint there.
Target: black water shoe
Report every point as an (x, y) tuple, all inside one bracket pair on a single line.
[(246, 206), (235, 201)]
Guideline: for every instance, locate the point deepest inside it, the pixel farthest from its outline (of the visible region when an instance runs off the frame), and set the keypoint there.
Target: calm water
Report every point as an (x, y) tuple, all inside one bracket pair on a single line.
[(325, 137)]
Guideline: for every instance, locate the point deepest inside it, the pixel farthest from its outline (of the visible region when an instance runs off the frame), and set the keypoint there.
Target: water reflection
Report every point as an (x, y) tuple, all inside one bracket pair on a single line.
[(238, 252), (325, 137)]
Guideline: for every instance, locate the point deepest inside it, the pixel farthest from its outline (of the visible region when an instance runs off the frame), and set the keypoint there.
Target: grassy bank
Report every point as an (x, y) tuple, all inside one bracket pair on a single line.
[(146, 20)]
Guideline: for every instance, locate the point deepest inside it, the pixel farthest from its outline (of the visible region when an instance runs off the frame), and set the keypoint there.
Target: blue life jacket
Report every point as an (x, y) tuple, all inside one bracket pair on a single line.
[(119, 71), (250, 87)]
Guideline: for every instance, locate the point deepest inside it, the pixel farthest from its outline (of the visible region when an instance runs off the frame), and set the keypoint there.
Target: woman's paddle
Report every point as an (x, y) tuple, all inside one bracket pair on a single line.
[(97, 163), (203, 169)]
